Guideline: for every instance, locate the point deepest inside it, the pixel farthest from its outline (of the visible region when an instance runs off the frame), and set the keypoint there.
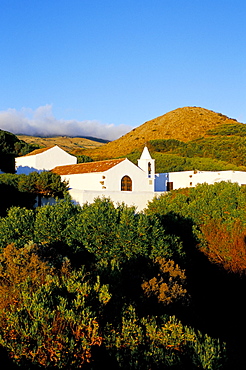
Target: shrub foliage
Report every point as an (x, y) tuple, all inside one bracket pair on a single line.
[(81, 286)]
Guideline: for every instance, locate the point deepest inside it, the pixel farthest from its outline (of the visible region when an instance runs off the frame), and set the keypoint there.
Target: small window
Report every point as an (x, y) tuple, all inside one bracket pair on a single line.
[(190, 183), (126, 183)]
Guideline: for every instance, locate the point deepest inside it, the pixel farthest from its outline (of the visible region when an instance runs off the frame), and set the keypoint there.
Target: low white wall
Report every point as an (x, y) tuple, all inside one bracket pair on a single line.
[(137, 199)]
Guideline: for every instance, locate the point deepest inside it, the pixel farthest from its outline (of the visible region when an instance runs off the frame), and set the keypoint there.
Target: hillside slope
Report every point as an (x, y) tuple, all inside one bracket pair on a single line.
[(185, 124), (69, 144), (10, 147)]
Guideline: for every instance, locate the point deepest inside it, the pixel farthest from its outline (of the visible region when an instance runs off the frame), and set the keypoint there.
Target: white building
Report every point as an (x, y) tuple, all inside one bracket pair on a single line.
[(43, 160), (117, 179)]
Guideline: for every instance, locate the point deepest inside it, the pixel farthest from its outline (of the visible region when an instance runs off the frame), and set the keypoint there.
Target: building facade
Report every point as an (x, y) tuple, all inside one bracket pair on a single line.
[(118, 179)]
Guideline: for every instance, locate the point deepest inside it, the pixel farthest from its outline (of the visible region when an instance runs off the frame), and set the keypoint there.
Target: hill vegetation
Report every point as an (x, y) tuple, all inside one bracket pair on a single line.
[(69, 144), (183, 124)]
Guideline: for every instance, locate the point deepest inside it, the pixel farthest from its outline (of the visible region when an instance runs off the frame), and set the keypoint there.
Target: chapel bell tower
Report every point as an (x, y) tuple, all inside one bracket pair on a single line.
[(146, 163)]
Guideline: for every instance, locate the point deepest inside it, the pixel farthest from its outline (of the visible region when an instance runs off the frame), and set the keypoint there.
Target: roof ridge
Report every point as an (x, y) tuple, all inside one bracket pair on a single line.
[(39, 151), (97, 166)]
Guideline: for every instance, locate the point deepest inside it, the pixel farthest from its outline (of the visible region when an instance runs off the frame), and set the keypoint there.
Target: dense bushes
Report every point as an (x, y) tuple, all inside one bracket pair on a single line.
[(82, 286), (218, 216), (48, 319)]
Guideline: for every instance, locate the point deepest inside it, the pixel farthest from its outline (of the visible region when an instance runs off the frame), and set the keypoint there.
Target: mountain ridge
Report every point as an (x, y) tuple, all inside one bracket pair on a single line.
[(67, 143)]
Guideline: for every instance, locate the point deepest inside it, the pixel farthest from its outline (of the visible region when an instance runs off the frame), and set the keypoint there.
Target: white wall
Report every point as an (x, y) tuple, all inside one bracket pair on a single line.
[(54, 157), (84, 181), (25, 164), (130, 198)]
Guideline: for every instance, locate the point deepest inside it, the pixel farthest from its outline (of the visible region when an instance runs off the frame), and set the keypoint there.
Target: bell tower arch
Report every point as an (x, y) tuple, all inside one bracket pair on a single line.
[(147, 163)]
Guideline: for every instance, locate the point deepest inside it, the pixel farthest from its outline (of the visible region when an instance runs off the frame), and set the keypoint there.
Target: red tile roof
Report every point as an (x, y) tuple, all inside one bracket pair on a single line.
[(38, 151), (87, 167)]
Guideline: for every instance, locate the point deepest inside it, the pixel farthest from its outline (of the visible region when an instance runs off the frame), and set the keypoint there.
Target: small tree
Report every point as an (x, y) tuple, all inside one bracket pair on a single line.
[(47, 184)]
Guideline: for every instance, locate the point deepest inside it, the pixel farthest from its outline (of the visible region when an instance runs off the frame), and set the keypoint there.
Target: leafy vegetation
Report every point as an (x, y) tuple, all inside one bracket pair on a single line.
[(11, 147), (82, 286), (22, 190), (230, 150), (48, 321), (228, 129), (218, 215), (83, 159)]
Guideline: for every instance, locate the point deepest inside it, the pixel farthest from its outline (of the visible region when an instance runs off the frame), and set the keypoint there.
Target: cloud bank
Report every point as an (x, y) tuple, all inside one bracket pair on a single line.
[(41, 122)]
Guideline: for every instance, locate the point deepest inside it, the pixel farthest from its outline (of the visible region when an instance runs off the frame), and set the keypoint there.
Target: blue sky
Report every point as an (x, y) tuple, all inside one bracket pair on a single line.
[(100, 67)]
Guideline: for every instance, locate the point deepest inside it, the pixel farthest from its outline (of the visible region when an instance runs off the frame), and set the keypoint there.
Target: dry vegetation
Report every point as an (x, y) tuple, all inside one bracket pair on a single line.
[(70, 144), (183, 124)]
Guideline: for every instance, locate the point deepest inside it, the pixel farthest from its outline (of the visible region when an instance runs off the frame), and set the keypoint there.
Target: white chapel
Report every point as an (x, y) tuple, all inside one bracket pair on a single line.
[(118, 179)]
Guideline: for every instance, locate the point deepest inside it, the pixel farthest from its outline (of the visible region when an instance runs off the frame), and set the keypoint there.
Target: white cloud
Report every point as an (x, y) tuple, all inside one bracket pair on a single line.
[(41, 122)]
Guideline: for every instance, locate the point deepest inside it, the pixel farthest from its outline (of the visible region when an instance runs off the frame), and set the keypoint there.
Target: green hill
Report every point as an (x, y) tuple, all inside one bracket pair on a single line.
[(11, 147)]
